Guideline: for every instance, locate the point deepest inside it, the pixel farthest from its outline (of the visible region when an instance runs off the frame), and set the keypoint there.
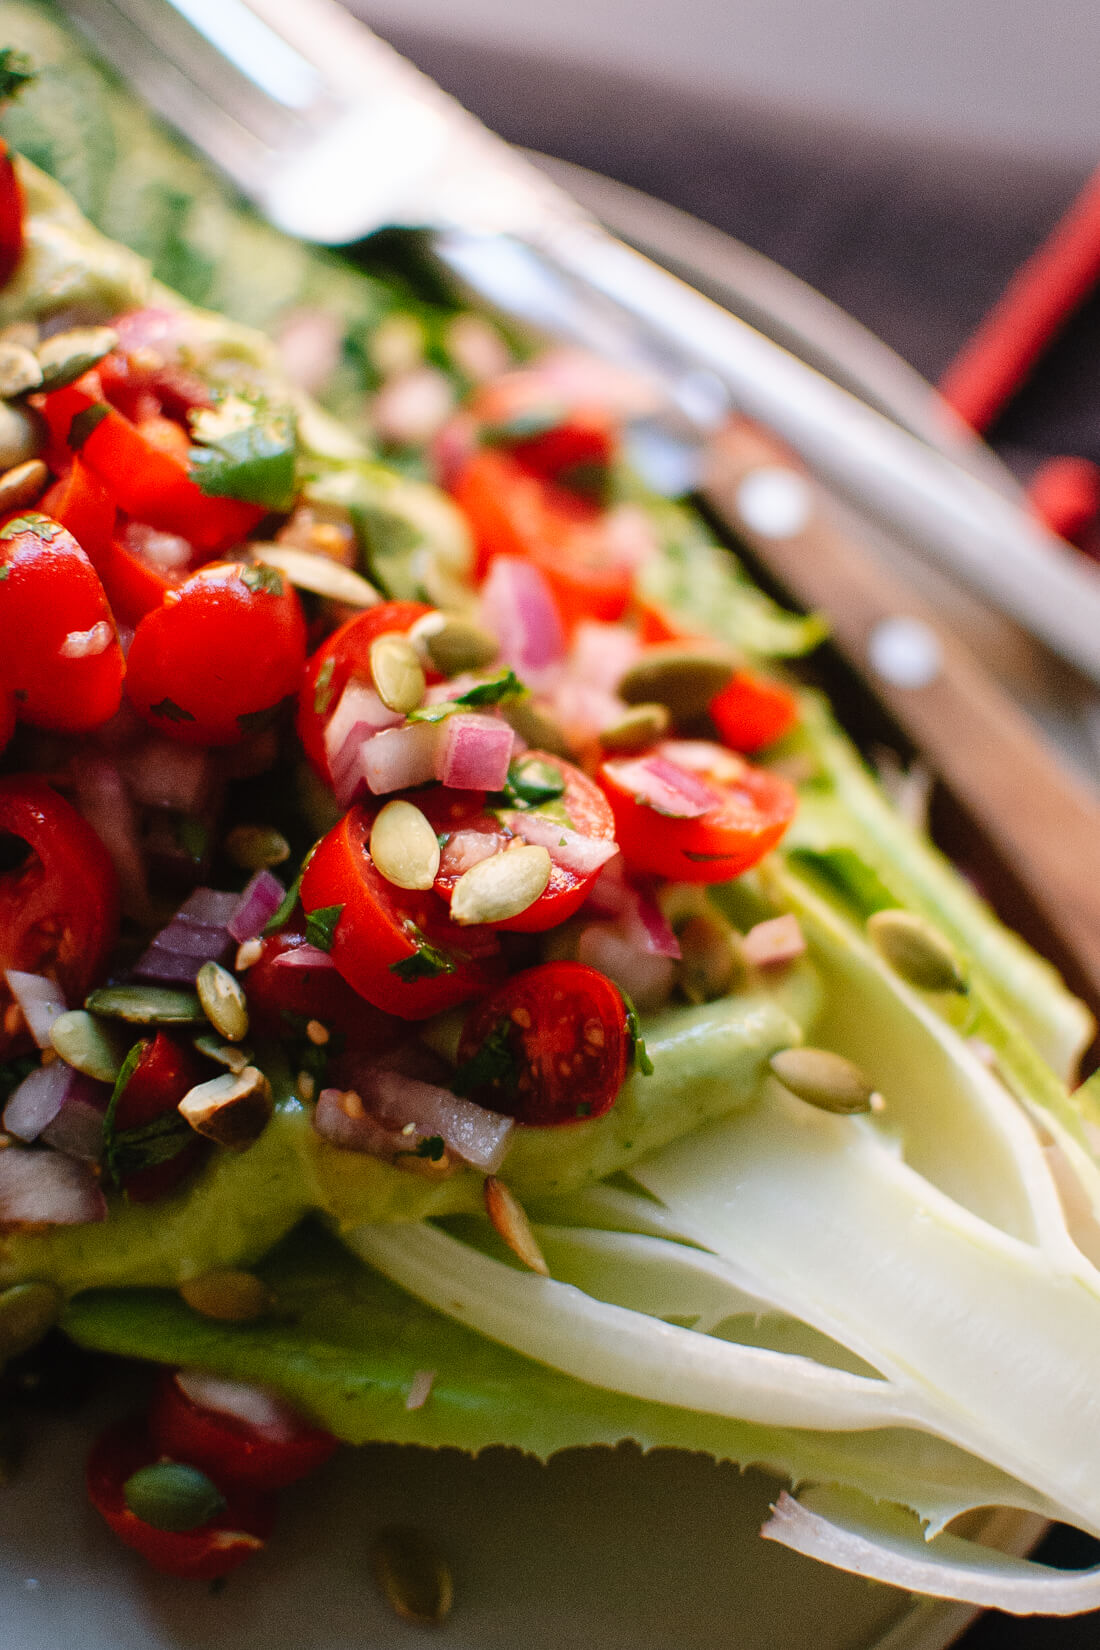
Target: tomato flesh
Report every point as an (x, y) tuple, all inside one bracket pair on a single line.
[(281, 998), (61, 653), (59, 908), (212, 1550), (216, 660), (564, 1044), (345, 654), (753, 712), (227, 1446), (165, 1072), (11, 216), (398, 949), (748, 814)]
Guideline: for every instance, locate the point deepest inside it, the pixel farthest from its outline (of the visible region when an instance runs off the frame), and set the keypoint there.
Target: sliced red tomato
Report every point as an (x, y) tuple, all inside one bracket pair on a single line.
[(281, 997), (346, 654), (146, 482), (59, 905), (558, 1041), (579, 810), (216, 660), (753, 712), (561, 440), (61, 653), (268, 1454), (11, 216), (694, 812), (135, 586), (80, 502), (165, 1072), (141, 380), (515, 513), (214, 1549), (398, 949)]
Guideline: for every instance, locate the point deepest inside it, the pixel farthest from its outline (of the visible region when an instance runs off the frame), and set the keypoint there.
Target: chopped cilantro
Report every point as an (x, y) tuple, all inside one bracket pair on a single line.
[(701, 859), (127, 1151), (432, 1147), (193, 837), (255, 721), (32, 522), (532, 781), (321, 925), (322, 688), (425, 962), (247, 449), (4, 571), (84, 422), (492, 1065), (15, 72), (495, 690), (637, 1053), (171, 711), (260, 577)]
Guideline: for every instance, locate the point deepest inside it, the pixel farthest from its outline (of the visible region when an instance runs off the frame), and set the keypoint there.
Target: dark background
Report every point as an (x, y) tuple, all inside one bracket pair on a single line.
[(916, 240)]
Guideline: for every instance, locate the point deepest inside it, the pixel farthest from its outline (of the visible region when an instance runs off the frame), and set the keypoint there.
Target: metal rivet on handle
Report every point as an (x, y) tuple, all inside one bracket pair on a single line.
[(775, 502), (905, 652)]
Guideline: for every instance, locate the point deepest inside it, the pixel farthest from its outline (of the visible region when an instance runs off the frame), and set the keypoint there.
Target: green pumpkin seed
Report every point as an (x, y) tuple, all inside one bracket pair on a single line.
[(412, 1576), (710, 958), (232, 1110), (146, 1005), (916, 951), (535, 727), (231, 1055), (454, 643), (171, 1496), (510, 1222), (92, 1046), (23, 485), (228, 1297), (319, 574), (257, 847), (684, 679), (21, 435), (27, 1312), (20, 371), (639, 728), (823, 1079), (224, 1003), (396, 672), (502, 886), (68, 355), (404, 846)]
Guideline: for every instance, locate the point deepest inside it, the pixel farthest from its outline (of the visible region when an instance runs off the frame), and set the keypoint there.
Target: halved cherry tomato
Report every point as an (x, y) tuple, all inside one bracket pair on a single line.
[(524, 412), (561, 1044), (219, 655), (753, 712), (226, 1445), (581, 807), (215, 1548), (141, 381), (146, 482), (11, 216), (165, 1072), (59, 907), (80, 502), (399, 950), (515, 513), (345, 654), (7, 715), (694, 812), (60, 651), (282, 996)]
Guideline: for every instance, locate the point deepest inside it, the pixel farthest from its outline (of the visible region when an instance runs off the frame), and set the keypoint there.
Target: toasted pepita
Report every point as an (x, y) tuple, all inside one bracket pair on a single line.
[(453, 643), (92, 1046), (257, 847), (230, 1297), (502, 886), (412, 1576), (396, 672), (319, 574), (145, 1005), (224, 1003), (511, 1224), (170, 1495), (536, 727), (23, 485), (916, 951), (710, 957), (22, 435), (823, 1079), (640, 727), (232, 1110), (68, 355), (404, 846), (684, 679), (20, 371), (230, 1055), (27, 1312)]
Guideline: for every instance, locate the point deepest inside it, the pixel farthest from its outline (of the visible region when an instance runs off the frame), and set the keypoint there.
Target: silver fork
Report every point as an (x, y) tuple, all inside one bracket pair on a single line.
[(334, 135)]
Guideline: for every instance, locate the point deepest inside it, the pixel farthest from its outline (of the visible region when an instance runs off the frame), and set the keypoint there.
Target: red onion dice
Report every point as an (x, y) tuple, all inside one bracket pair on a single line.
[(37, 1100), (303, 956), (567, 848), (400, 757), (259, 902), (518, 606), (473, 753), (40, 999), (43, 1188), (664, 785)]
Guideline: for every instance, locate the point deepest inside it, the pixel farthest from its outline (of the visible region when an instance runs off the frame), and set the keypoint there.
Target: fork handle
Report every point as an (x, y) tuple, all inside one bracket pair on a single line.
[(1043, 824)]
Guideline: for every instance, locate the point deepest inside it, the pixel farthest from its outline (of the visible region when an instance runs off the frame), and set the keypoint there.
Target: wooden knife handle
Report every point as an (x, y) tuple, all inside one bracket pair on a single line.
[(1042, 822)]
